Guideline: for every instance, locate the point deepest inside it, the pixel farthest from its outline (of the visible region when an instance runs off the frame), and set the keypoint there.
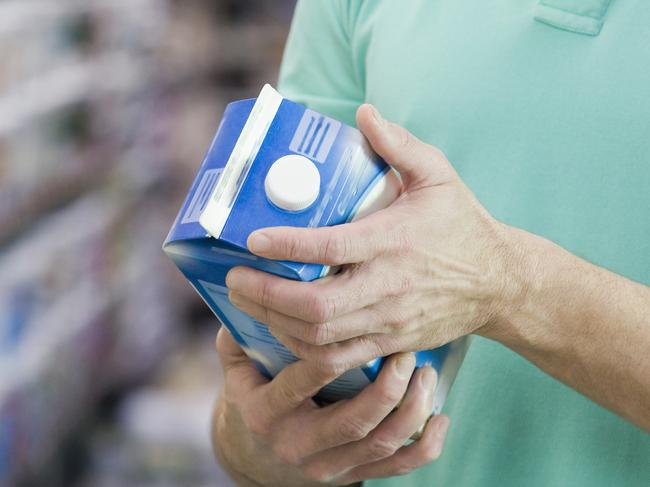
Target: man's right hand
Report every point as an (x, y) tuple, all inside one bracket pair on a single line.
[(272, 433)]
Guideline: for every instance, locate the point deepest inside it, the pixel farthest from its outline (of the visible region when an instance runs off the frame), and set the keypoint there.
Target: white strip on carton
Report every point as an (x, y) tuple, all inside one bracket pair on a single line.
[(214, 217)]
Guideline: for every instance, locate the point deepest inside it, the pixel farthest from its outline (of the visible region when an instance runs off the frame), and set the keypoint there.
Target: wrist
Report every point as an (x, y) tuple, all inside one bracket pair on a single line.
[(539, 280), (517, 275), (551, 298)]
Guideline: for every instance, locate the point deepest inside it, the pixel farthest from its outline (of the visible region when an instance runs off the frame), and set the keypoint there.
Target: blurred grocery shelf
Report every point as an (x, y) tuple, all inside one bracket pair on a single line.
[(106, 109)]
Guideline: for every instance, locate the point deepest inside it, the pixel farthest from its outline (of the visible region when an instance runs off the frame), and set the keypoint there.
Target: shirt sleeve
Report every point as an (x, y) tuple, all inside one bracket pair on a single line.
[(317, 68)]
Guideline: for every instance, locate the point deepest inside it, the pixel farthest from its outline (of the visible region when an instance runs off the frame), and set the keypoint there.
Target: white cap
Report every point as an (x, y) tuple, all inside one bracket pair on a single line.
[(292, 183)]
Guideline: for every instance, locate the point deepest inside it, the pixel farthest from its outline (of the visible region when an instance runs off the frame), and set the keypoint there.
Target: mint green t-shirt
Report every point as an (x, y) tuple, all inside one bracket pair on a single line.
[(543, 107)]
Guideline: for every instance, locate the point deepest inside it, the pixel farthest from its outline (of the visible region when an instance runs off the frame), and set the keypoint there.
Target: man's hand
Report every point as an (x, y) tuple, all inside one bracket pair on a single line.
[(430, 268), (272, 433), (434, 266)]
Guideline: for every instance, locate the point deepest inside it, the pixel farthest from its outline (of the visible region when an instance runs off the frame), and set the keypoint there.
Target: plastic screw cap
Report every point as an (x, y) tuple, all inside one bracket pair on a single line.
[(292, 183)]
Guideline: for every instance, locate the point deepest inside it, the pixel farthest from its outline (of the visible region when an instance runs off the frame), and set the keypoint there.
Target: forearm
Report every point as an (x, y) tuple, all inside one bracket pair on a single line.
[(580, 323)]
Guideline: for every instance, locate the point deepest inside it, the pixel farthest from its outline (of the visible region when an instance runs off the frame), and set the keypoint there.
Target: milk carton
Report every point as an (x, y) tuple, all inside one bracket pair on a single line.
[(274, 162)]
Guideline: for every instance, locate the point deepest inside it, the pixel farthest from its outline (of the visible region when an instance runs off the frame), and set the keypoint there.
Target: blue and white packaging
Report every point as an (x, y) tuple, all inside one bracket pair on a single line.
[(274, 162)]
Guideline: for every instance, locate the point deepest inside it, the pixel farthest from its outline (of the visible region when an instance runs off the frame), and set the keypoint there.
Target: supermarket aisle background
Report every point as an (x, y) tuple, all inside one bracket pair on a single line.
[(107, 363)]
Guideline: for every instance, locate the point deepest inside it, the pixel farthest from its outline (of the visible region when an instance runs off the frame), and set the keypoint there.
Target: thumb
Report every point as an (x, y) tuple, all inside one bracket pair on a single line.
[(419, 164), (230, 353), (240, 374)]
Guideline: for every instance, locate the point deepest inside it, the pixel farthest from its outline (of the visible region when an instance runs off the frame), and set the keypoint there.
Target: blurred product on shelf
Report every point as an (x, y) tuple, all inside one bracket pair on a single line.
[(105, 108)]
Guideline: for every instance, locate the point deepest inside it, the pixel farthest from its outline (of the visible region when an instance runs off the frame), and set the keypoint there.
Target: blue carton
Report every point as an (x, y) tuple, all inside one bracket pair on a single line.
[(275, 162)]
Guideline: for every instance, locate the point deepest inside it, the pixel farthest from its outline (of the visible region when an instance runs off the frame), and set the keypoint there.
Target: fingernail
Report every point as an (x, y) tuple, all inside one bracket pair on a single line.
[(233, 279), (428, 378), (378, 118), (404, 365), (258, 243)]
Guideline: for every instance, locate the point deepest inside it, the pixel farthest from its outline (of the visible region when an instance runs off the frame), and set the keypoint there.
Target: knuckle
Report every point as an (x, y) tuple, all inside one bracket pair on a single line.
[(402, 241), (320, 333), (336, 248), (266, 293), (318, 307), (325, 375), (395, 325), (397, 321), (405, 284), (331, 307), (389, 396), (352, 429), (330, 362), (288, 395), (378, 346), (382, 448), (293, 247)]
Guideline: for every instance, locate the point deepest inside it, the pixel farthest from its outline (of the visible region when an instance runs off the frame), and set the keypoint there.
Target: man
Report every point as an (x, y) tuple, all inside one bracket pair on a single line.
[(543, 111)]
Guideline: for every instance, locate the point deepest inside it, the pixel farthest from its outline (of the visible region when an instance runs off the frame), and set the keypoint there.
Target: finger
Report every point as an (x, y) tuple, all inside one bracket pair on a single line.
[(276, 321), (408, 458), (293, 386), (228, 349), (351, 420), (241, 377), (419, 164), (314, 302), (391, 434), (383, 317), (350, 353), (341, 244), (357, 323)]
